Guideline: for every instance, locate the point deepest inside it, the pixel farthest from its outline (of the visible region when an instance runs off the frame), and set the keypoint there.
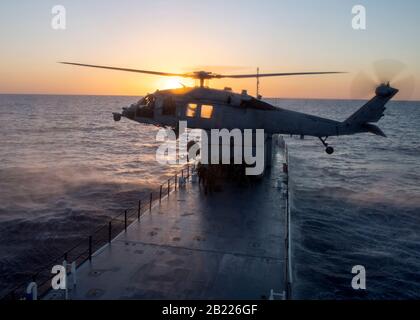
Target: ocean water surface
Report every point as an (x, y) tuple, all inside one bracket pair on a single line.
[(360, 206)]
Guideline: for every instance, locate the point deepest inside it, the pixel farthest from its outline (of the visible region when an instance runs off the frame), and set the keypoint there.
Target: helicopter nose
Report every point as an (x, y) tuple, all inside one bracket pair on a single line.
[(117, 116), (129, 112)]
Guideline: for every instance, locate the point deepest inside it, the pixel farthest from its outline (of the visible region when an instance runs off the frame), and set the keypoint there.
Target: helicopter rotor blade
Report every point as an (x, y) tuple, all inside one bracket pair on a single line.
[(362, 86), (406, 86), (388, 70), (263, 75), (202, 75), (166, 74)]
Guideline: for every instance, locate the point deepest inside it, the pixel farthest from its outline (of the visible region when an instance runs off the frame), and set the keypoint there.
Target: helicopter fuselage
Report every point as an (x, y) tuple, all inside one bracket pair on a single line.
[(207, 109)]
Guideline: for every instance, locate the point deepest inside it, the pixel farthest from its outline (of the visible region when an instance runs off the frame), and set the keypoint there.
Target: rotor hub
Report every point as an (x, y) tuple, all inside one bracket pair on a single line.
[(385, 90)]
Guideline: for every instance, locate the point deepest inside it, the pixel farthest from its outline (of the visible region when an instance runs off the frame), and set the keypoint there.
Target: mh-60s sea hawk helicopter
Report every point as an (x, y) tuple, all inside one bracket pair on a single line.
[(206, 108)]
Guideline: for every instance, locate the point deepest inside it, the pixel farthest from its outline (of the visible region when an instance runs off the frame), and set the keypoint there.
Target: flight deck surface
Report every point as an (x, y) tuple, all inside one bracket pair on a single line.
[(225, 245)]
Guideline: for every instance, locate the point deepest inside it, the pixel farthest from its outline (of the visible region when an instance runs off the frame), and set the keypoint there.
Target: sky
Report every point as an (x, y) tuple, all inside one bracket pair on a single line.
[(234, 36)]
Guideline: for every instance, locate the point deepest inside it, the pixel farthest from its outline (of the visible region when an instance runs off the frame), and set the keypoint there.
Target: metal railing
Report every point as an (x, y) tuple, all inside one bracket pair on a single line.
[(84, 250), (288, 278)]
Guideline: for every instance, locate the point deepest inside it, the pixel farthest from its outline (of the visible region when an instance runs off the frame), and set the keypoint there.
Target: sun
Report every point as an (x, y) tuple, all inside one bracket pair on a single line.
[(173, 83), (170, 83)]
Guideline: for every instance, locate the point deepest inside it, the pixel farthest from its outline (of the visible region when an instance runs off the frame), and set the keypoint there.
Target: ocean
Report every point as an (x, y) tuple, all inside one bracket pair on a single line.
[(66, 167)]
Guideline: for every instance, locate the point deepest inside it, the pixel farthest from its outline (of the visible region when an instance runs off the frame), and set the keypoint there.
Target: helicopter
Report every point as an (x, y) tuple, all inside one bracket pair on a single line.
[(206, 108)]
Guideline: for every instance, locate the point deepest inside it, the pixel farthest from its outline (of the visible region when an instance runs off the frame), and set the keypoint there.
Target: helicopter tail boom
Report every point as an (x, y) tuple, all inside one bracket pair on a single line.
[(373, 110), (362, 120)]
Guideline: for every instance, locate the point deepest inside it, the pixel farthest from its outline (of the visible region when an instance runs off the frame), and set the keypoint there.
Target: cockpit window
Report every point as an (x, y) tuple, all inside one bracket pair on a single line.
[(206, 111), (146, 106), (149, 101), (192, 110)]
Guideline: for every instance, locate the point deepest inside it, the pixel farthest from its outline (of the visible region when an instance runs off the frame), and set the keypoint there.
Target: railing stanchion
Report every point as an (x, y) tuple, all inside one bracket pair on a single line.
[(176, 181), (169, 186), (125, 220), (188, 171), (139, 210), (151, 200), (90, 248), (160, 194), (110, 232)]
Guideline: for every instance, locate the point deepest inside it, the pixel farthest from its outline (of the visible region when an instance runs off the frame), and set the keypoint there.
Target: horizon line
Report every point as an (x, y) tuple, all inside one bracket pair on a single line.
[(130, 95)]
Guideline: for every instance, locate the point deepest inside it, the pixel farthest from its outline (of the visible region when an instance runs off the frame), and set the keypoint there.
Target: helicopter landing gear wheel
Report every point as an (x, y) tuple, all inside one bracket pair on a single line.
[(329, 150)]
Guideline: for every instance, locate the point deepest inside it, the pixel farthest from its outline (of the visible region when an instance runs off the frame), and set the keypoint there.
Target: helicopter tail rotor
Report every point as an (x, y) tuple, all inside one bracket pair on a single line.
[(383, 72)]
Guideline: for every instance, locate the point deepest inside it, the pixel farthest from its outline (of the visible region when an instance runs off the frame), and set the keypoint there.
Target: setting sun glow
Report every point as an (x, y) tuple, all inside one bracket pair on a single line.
[(174, 83)]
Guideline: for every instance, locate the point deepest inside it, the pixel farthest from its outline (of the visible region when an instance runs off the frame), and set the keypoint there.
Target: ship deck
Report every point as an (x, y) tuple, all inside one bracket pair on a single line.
[(227, 245)]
